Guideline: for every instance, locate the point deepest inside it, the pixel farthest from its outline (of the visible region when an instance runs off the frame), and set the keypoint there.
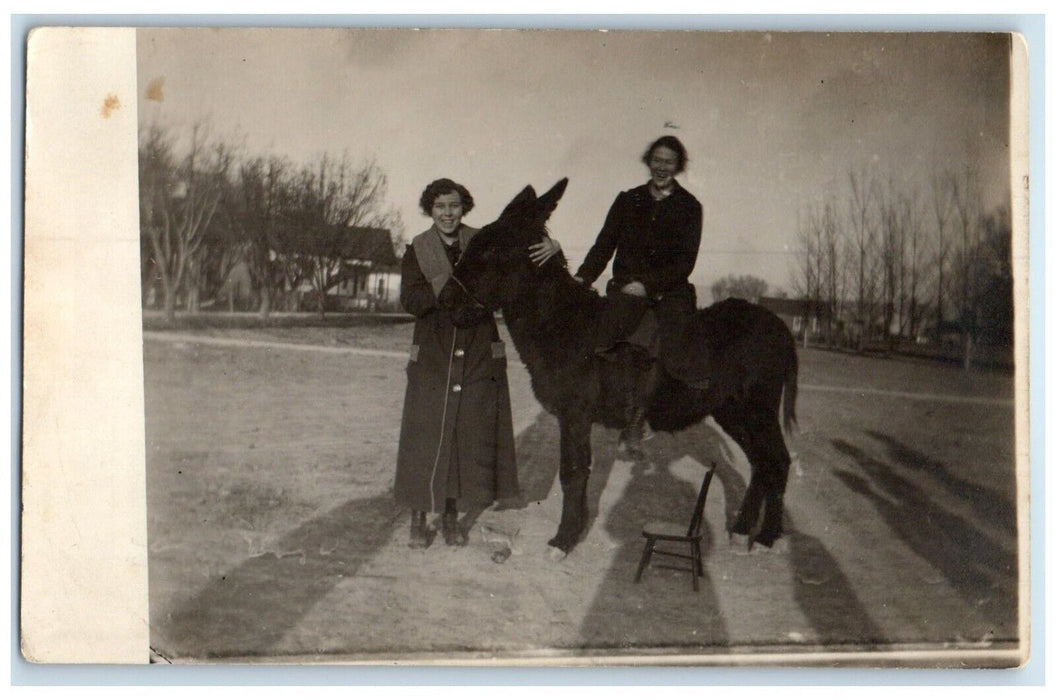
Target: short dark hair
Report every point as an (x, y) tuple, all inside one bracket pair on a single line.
[(668, 142), (444, 186)]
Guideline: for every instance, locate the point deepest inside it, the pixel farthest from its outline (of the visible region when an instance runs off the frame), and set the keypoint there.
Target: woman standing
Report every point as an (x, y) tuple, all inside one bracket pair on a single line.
[(456, 440)]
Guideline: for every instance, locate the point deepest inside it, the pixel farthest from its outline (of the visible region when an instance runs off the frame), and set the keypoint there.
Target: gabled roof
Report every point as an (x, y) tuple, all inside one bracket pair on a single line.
[(374, 244), (363, 243)]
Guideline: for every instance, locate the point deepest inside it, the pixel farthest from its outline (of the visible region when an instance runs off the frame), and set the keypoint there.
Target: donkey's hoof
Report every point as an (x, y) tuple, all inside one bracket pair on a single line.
[(778, 546), (560, 546), (556, 553)]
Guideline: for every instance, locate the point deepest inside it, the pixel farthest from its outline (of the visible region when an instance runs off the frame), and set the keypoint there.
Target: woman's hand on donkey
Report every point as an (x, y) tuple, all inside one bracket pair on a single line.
[(543, 250)]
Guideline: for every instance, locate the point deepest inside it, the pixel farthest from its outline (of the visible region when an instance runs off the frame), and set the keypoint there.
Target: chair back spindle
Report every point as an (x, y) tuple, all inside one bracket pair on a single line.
[(698, 508)]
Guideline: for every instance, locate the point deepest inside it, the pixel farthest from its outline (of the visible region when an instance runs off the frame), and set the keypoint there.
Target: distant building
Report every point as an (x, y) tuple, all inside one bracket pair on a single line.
[(366, 267), (372, 270), (852, 326), (800, 315)]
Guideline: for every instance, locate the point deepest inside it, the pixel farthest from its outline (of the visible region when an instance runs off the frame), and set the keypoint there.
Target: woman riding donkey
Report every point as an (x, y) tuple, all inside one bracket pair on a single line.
[(654, 231)]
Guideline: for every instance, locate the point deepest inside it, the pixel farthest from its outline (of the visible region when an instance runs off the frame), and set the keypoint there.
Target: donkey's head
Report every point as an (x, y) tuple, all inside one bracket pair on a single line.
[(495, 266)]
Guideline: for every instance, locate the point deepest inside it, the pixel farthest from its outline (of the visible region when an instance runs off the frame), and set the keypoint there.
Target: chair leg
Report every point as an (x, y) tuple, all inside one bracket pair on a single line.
[(698, 559), (696, 572), (647, 553)]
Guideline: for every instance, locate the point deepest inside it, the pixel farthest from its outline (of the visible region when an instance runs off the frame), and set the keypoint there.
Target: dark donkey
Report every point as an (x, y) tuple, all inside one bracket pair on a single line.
[(552, 320)]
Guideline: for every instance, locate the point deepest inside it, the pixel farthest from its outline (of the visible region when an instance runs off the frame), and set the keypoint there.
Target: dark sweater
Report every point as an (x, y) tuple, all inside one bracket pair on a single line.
[(655, 242)]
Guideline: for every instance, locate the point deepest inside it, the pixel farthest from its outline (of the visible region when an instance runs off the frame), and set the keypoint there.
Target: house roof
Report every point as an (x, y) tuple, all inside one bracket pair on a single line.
[(374, 244), (788, 307), (362, 243)]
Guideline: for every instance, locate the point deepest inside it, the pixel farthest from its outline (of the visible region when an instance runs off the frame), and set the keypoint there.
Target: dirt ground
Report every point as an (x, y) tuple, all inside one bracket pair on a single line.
[(273, 533)]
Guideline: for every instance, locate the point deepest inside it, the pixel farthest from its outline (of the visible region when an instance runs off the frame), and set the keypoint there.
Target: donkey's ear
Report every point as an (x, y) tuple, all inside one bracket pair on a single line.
[(520, 202), (548, 202)]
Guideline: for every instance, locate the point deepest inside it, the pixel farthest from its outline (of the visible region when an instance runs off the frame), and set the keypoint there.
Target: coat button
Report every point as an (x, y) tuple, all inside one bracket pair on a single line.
[(456, 388), (460, 352)]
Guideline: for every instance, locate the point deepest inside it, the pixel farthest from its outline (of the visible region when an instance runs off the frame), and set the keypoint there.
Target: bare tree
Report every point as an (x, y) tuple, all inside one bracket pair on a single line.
[(214, 250), (900, 260), (254, 209), (996, 318), (807, 279), (892, 207), (327, 199), (178, 199), (914, 267), (156, 175), (832, 278), (223, 248), (806, 274), (862, 218), (967, 219), (942, 187), (820, 277)]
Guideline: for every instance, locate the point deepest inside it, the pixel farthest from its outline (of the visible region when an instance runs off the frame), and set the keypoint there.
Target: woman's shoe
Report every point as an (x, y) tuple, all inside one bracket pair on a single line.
[(453, 534), (419, 535)]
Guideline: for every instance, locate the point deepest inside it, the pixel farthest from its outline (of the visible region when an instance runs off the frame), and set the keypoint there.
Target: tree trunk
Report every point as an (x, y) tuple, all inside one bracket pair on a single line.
[(147, 282), (169, 296)]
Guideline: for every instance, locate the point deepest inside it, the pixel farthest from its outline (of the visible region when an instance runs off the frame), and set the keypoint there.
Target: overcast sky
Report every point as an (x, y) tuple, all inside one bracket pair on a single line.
[(772, 122)]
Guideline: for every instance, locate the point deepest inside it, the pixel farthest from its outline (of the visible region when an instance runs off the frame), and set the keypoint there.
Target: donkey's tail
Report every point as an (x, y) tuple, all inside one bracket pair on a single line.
[(788, 409)]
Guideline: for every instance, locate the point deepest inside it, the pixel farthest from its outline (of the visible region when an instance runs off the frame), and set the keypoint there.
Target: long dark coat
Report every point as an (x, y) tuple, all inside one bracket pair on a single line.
[(456, 439)]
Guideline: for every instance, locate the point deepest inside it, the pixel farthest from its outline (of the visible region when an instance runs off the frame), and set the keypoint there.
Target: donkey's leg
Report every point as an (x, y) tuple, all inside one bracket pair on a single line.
[(575, 470), (738, 424), (752, 503), (777, 459)]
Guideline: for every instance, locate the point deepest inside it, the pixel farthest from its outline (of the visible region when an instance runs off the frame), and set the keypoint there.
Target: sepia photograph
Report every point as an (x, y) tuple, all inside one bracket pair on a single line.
[(571, 347)]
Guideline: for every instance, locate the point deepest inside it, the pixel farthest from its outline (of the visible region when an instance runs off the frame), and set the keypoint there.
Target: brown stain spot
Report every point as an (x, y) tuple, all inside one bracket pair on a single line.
[(155, 90), (110, 104)]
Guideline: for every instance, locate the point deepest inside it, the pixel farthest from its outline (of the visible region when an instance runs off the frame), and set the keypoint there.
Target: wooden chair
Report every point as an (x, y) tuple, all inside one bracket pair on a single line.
[(669, 532)]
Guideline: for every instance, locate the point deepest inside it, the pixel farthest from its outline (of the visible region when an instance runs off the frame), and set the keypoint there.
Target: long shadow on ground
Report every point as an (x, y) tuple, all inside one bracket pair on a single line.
[(248, 609), (538, 457), (825, 596), (664, 612), (986, 502), (981, 570)]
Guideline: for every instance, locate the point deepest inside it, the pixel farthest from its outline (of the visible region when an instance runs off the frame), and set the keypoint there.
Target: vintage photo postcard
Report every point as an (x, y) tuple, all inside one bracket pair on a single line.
[(522, 347)]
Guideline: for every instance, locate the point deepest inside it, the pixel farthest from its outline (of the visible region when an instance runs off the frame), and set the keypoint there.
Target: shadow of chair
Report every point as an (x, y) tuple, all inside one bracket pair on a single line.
[(659, 531)]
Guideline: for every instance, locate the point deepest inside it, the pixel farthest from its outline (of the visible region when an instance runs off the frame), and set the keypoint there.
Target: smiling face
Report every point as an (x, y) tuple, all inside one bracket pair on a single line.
[(447, 213), (663, 166)]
